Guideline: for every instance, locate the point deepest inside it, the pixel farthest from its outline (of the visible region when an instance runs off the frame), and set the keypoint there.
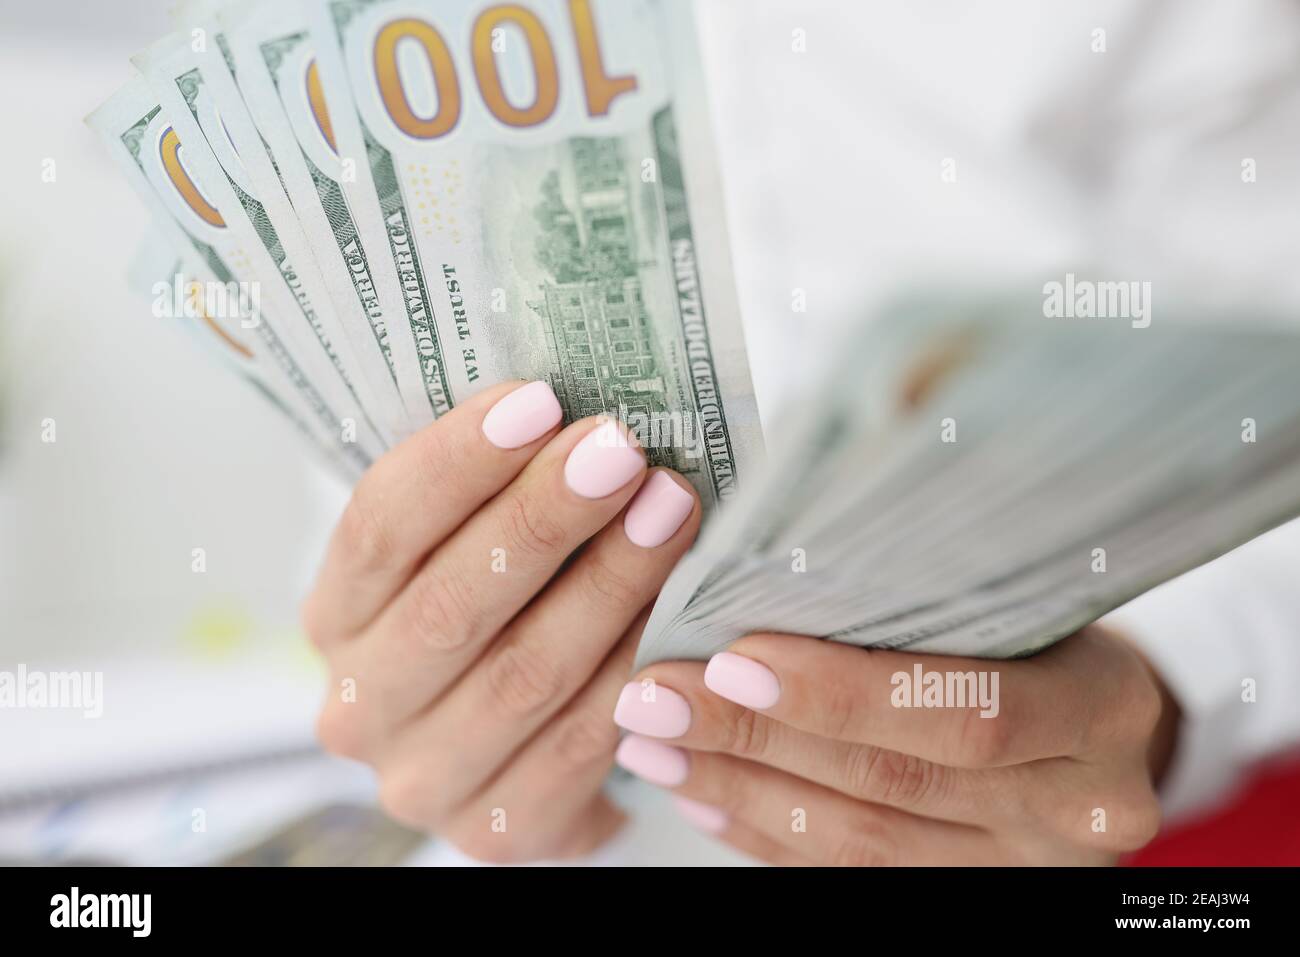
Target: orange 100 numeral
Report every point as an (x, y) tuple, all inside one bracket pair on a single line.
[(601, 88), (169, 149)]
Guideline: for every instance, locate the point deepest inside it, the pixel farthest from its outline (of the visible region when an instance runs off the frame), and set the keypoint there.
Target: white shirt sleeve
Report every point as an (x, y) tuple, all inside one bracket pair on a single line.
[(1226, 639)]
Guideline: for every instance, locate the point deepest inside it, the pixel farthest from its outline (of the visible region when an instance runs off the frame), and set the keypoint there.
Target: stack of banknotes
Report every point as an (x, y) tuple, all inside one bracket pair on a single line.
[(379, 207), (972, 478)]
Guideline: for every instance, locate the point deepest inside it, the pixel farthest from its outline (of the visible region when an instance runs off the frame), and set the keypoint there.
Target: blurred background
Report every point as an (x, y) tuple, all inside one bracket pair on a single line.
[(155, 453), (1128, 163)]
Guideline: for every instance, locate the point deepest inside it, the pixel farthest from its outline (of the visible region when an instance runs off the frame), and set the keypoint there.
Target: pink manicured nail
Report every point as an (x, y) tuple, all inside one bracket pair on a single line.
[(742, 680), (710, 819), (657, 763), (603, 462), (523, 416), (660, 507), (654, 710)]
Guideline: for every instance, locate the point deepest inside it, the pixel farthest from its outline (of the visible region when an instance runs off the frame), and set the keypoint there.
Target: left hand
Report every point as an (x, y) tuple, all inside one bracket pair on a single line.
[(813, 760)]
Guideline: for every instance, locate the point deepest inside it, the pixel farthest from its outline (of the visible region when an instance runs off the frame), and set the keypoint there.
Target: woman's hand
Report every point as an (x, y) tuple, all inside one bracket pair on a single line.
[(801, 751), (475, 644)]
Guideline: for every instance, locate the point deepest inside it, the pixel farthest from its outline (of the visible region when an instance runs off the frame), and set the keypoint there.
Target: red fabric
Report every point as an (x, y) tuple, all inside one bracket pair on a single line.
[(1261, 828)]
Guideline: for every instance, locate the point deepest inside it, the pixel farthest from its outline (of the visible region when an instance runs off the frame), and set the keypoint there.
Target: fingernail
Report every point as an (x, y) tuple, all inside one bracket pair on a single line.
[(523, 416), (602, 463), (657, 511), (654, 762), (742, 680), (652, 709), (710, 819)]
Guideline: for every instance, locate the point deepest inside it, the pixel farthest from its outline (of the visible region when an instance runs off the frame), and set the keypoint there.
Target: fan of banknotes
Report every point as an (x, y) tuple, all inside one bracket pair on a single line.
[(379, 207), (400, 204)]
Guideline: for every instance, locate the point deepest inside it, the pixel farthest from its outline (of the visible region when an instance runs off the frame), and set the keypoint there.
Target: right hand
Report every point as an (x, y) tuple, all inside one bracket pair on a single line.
[(472, 664)]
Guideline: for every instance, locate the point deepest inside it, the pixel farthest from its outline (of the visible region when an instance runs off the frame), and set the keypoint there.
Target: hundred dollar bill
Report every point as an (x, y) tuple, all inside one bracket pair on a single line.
[(260, 217), (275, 64), (546, 170), (209, 74), (145, 146)]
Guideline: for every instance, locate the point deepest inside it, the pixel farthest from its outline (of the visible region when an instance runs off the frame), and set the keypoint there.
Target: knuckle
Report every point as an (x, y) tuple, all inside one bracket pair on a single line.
[(983, 742), (522, 681), (1148, 819), (1136, 821), (912, 780), (1129, 715), (363, 533), (866, 845), (1148, 708), (529, 531), (608, 587), (889, 777), (340, 730), (443, 455), (586, 738), (746, 734), (861, 773), (440, 612), (315, 623), (482, 844), (403, 796), (1130, 707), (839, 713), (1131, 821)]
